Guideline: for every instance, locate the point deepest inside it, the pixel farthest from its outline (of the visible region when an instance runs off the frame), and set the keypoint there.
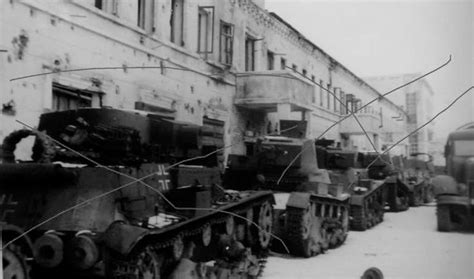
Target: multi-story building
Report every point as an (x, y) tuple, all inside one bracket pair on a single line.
[(226, 64), (417, 100)]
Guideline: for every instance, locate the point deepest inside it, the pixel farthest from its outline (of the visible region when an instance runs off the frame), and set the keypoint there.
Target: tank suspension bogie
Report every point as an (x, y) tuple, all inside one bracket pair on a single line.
[(49, 250)]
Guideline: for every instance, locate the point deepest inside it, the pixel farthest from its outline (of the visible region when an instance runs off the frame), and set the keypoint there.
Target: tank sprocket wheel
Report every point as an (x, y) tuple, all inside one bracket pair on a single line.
[(143, 264), (14, 264), (304, 232), (359, 220), (325, 241), (265, 222), (148, 264)]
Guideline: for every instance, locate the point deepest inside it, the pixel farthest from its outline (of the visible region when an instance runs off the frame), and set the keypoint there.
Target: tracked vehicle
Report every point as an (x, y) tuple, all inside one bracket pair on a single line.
[(312, 211), (136, 215), (455, 190), (418, 174), (389, 171), (367, 195)]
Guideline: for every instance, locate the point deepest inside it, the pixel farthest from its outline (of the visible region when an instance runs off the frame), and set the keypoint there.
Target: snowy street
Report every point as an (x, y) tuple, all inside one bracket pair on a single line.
[(404, 245)]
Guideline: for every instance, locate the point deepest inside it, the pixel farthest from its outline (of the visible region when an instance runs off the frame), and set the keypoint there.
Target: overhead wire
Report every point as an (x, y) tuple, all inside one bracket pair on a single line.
[(362, 107), (422, 126)]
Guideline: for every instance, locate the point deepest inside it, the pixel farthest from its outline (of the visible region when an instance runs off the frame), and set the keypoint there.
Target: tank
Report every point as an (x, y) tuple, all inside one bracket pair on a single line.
[(137, 215), (311, 211), (455, 189), (367, 195), (389, 171), (418, 172)]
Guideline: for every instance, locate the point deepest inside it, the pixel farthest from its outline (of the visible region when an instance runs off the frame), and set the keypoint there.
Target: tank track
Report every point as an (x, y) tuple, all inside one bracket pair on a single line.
[(367, 210), (397, 195), (318, 227), (174, 257)]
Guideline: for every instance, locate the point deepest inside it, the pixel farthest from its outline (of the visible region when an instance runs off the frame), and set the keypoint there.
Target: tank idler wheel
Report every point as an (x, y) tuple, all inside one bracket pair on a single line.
[(14, 265), (372, 273), (148, 264), (177, 247), (265, 222)]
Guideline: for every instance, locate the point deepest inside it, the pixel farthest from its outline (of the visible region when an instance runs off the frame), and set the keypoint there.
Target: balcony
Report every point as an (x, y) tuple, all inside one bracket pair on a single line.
[(265, 90), (370, 121)]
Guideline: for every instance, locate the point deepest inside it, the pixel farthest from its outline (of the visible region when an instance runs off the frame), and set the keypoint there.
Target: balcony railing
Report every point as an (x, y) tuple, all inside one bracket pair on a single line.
[(264, 90), (370, 121)]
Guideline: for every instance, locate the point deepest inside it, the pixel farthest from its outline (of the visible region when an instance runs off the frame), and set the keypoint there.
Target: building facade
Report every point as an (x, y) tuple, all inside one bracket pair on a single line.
[(417, 100), (227, 64)]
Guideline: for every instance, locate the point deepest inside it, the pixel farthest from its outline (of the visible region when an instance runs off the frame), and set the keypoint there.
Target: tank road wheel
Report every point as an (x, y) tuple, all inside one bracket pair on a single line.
[(229, 225), (14, 265), (177, 248), (444, 218), (147, 264), (265, 222), (206, 235)]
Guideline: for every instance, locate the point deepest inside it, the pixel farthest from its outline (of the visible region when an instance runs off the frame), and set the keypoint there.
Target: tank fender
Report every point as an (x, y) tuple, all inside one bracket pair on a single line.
[(299, 200), (122, 237), (444, 184), (9, 232)]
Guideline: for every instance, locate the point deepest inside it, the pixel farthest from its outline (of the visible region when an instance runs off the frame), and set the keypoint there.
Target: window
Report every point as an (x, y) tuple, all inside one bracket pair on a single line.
[(65, 98), (321, 92), (305, 72), (176, 22), (349, 99), (99, 4), (314, 90), (108, 6), (270, 60), (205, 30), (336, 97), (343, 103), (328, 104), (226, 43), (282, 63), (463, 148), (249, 53), (145, 19), (294, 67)]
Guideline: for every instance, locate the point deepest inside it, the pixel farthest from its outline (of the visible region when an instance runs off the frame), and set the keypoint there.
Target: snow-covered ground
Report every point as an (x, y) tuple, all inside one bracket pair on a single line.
[(405, 245)]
